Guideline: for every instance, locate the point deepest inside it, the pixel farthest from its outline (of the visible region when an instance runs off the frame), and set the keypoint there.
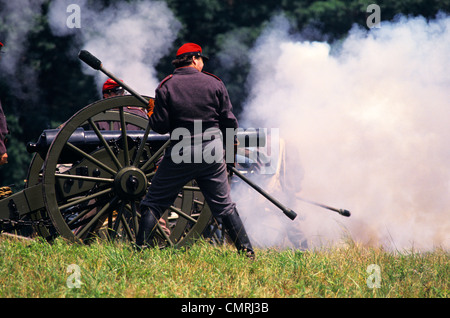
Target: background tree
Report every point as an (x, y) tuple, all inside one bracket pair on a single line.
[(227, 30)]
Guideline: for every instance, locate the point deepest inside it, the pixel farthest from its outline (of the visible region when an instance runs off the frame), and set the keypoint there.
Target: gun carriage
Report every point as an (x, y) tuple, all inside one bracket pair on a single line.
[(84, 182)]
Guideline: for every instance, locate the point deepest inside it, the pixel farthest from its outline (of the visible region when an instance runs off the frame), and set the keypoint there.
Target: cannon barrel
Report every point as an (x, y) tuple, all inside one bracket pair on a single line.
[(88, 139)]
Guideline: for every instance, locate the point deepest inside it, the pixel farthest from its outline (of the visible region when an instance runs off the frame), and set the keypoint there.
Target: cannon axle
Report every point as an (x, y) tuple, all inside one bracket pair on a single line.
[(130, 183)]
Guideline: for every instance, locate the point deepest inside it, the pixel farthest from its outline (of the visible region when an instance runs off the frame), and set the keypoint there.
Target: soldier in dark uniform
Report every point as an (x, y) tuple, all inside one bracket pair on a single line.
[(3, 131), (187, 97), (112, 89)]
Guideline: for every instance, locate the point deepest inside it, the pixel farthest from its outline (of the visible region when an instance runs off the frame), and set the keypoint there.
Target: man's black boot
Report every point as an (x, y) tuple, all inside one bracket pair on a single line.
[(147, 227), (236, 230)]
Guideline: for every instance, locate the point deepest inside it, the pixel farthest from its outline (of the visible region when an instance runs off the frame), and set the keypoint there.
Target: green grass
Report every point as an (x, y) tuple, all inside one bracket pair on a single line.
[(39, 269)]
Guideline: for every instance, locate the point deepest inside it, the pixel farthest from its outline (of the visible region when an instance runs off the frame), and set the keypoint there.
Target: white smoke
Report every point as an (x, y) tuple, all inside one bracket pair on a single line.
[(129, 38), (17, 19), (367, 124)]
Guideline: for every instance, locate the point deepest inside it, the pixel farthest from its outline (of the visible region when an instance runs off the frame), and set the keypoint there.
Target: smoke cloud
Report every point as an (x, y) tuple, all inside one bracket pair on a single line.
[(364, 122), (129, 38), (17, 19), (366, 127)]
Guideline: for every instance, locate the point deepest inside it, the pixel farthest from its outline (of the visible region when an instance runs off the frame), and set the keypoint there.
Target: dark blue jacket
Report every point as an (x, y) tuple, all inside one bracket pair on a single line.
[(189, 95)]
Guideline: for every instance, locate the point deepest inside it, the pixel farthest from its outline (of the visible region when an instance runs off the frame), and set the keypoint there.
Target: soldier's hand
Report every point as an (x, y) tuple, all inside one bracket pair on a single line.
[(150, 107), (3, 159)]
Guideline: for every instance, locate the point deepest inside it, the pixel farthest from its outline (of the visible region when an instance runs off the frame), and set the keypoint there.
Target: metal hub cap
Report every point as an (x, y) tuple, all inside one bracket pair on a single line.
[(130, 183)]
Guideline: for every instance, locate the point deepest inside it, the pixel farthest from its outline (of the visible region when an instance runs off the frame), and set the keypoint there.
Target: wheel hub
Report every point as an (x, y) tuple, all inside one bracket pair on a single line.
[(130, 183)]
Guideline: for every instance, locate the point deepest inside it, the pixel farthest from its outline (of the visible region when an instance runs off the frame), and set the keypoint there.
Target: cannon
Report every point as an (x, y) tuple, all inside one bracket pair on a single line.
[(84, 183)]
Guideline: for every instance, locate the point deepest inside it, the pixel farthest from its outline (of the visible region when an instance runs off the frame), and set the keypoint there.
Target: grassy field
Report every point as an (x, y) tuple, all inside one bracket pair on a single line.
[(39, 269)]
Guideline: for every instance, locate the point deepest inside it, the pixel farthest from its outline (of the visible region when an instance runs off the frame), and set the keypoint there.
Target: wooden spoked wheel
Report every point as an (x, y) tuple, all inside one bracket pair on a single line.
[(93, 189)]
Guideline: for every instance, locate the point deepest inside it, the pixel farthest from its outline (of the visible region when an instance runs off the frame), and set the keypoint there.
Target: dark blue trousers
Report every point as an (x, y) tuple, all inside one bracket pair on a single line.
[(211, 177), (170, 177)]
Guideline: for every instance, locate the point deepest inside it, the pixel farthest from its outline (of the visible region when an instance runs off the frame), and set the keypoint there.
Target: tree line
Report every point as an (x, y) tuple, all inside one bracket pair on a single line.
[(60, 87)]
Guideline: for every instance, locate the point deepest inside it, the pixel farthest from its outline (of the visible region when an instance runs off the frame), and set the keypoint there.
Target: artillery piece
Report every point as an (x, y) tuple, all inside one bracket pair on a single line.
[(84, 182)]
